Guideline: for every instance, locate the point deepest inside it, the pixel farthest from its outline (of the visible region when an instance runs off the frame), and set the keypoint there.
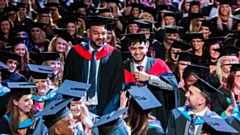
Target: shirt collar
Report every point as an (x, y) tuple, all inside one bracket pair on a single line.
[(202, 113), (91, 49), (144, 63)]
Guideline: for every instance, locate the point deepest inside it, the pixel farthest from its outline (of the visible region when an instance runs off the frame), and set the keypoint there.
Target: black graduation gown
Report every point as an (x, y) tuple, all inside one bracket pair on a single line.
[(169, 99), (161, 52), (220, 32), (158, 48), (12, 77), (235, 123), (213, 80), (182, 97), (39, 129), (153, 129), (185, 23), (110, 74)]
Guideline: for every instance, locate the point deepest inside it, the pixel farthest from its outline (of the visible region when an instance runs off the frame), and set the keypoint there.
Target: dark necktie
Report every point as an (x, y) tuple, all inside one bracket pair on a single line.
[(191, 129), (92, 78), (140, 68)]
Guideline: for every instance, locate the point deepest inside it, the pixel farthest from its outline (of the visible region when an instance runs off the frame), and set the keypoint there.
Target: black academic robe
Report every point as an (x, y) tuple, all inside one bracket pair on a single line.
[(234, 121), (39, 128), (168, 98), (12, 77), (161, 52), (153, 129), (110, 75), (182, 96), (225, 30), (213, 80), (177, 120)]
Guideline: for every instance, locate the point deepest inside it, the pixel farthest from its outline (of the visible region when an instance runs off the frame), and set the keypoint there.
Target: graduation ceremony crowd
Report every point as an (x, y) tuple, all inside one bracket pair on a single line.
[(109, 67)]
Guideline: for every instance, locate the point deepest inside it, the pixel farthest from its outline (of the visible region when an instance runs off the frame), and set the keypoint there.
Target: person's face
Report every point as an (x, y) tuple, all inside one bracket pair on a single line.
[(35, 32), (53, 11), (45, 18), (106, 14), (238, 26), (20, 49), (187, 4), (167, 2), (224, 9), (173, 55), (109, 36), (138, 51), (197, 43), (24, 103), (55, 65), (12, 15), (214, 54), (22, 12), (193, 97), (2, 4), (228, 60), (114, 7), (194, 9), (135, 12), (206, 32), (182, 65), (189, 81), (42, 86), (82, 11), (21, 34), (61, 45), (71, 28), (148, 16), (76, 108), (79, 23), (5, 27), (12, 65), (133, 28), (170, 36), (66, 126), (145, 30), (169, 20), (97, 35), (237, 79)]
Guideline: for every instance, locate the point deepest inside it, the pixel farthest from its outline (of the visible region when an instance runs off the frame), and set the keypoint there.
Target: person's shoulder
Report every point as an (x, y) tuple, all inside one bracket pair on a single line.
[(5, 129)]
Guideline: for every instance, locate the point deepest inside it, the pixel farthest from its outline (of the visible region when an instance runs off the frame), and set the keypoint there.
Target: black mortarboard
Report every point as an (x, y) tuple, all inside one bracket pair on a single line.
[(54, 111), (103, 10), (51, 4), (201, 71), (137, 37), (111, 26), (137, 5), (205, 87), (37, 25), (172, 29), (237, 18), (186, 56), (39, 71), (194, 35), (98, 20), (181, 45), (109, 118), (196, 15), (19, 28), (43, 11), (216, 126), (56, 31), (207, 23), (194, 3), (236, 12), (20, 88), (4, 18), (75, 6), (10, 8), (144, 98), (66, 36), (150, 10), (73, 89), (78, 15), (234, 67), (224, 2), (114, 1), (133, 21), (64, 21), (3, 66), (9, 55), (213, 40), (144, 23), (21, 5), (228, 50), (162, 7), (45, 56), (168, 13), (17, 40)]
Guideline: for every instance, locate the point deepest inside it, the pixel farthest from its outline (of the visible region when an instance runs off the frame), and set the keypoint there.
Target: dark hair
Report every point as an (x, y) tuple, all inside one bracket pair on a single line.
[(230, 80)]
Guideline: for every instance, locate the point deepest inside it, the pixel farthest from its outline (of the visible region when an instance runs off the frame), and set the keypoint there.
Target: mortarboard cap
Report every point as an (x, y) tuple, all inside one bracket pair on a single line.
[(39, 71), (75, 6), (34, 57), (20, 88), (168, 13), (21, 5), (205, 87), (237, 17), (224, 2), (234, 67), (144, 98), (73, 89), (207, 23), (4, 18), (214, 124), (162, 7), (228, 50), (194, 35), (137, 37), (37, 25), (196, 15), (150, 10), (136, 5), (186, 56), (66, 36), (133, 21), (43, 11), (113, 116), (213, 40), (103, 10), (17, 40), (45, 56), (111, 26), (3, 66), (144, 23), (78, 15), (201, 71), (98, 20), (172, 29), (10, 8), (56, 31), (181, 45), (9, 55), (64, 21), (194, 3), (51, 4), (54, 111), (19, 28)]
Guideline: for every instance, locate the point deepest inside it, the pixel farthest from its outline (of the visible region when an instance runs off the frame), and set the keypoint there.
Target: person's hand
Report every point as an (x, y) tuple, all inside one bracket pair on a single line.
[(123, 100), (231, 107), (141, 76)]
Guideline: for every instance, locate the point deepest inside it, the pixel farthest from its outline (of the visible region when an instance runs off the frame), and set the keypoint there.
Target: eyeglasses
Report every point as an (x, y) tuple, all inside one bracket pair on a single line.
[(231, 61)]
